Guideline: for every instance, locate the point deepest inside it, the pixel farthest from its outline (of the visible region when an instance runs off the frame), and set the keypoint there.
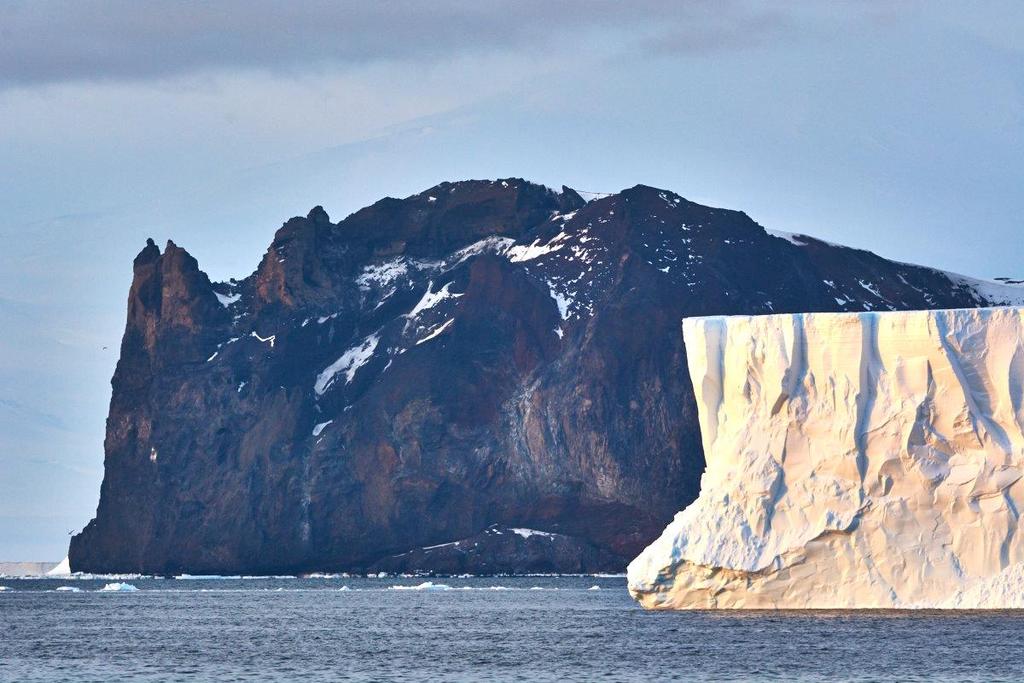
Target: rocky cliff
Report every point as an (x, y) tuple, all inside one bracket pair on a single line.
[(853, 460), (477, 358)]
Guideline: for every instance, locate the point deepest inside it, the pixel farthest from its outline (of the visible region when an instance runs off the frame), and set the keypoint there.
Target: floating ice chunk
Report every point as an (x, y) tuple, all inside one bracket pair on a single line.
[(68, 589), (349, 363), (119, 587), (207, 577), (425, 586), (320, 427), (594, 588)]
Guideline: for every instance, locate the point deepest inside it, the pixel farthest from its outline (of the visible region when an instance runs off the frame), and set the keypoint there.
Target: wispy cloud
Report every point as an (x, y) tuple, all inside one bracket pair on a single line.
[(48, 41)]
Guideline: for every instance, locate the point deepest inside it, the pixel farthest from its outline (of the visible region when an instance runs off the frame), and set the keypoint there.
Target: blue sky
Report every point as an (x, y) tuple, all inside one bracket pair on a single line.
[(896, 126)]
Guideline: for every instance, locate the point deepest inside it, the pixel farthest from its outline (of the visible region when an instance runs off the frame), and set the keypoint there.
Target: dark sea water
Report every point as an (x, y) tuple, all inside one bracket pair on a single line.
[(501, 629)]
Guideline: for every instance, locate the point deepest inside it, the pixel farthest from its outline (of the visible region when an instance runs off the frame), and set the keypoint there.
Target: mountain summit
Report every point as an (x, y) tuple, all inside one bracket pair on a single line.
[(488, 376)]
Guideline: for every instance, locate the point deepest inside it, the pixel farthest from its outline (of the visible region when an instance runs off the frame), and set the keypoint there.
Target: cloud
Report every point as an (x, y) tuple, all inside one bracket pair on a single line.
[(51, 41)]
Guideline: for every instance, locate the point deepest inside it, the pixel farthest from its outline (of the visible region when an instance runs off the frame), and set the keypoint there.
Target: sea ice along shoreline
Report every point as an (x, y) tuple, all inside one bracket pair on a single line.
[(854, 460)]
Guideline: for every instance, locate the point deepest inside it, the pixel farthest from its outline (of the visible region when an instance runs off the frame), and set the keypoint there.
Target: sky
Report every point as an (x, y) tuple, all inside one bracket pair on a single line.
[(892, 125)]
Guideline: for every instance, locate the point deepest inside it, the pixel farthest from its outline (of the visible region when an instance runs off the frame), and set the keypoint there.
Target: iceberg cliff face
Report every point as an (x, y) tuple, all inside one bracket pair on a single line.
[(853, 460)]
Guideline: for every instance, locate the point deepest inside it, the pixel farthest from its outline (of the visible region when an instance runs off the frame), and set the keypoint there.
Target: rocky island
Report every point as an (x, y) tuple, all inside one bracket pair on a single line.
[(487, 376)]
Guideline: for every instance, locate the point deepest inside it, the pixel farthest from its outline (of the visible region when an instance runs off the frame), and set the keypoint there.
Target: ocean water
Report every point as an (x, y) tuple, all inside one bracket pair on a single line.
[(479, 629)]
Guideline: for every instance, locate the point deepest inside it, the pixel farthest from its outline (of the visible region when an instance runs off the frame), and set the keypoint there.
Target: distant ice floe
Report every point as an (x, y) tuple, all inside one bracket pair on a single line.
[(326, 575), (425, 586), (68, 589), (431, 586), (119, 587), (206, 577)]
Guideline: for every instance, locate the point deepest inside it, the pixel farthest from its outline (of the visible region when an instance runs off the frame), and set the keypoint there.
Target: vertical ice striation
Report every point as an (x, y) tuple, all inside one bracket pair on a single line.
[(853, 460)]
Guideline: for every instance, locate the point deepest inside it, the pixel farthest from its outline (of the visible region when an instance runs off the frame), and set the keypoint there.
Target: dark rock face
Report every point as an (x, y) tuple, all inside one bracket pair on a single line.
[(506, 551), (481, 356)]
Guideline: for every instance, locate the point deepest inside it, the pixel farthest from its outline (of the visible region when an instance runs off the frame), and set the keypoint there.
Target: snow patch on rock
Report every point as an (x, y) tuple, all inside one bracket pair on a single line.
[(529, 252), (431, 299), (382, 274), (527, 533), (991, 292), (227, 299), (349, 362), (441, 328)]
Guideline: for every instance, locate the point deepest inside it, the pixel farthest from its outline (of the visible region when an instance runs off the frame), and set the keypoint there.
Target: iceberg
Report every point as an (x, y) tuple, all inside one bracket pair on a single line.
[(854, 460), (63, 568), (118, 588)]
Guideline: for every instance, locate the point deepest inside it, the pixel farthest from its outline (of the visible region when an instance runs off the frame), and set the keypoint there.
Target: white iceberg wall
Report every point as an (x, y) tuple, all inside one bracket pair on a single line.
[(63, 568), (853, 460)]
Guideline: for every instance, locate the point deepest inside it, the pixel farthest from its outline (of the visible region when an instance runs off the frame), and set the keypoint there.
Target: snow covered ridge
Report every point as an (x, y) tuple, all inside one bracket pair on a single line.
[(854, 460)]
